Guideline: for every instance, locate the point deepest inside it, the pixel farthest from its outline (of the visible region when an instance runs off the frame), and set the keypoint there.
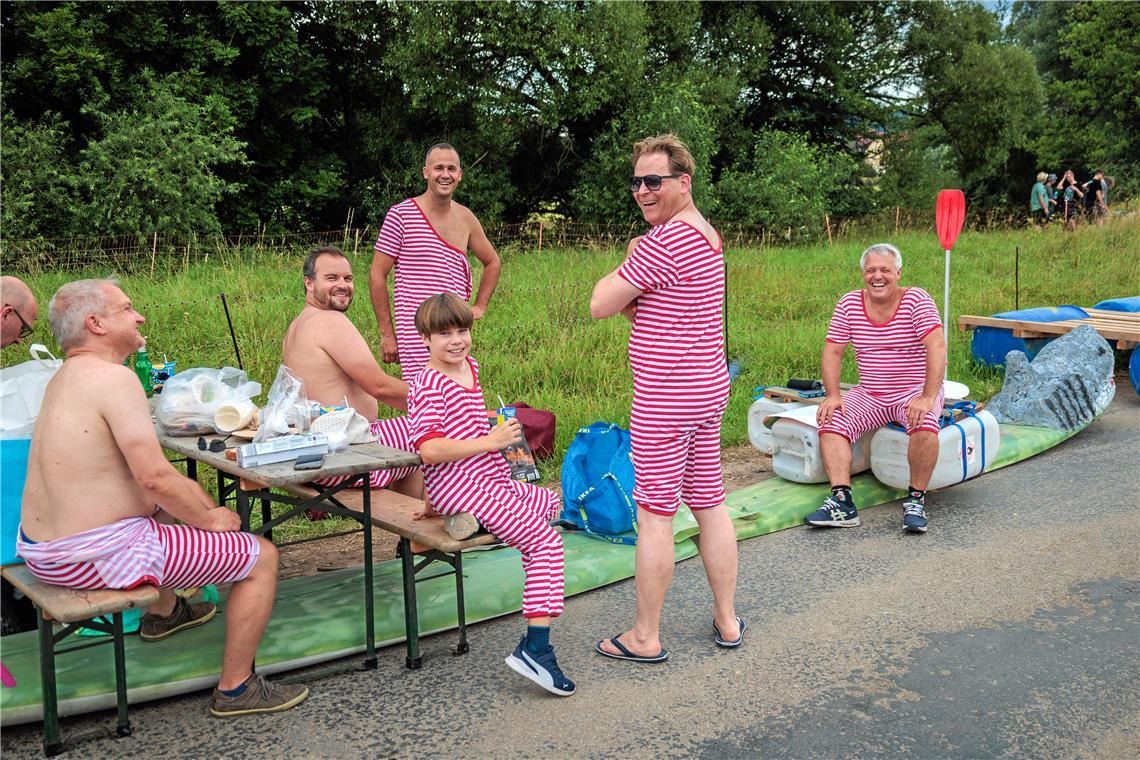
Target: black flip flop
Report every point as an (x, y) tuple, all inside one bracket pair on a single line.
[(722, 642), (628, 655)]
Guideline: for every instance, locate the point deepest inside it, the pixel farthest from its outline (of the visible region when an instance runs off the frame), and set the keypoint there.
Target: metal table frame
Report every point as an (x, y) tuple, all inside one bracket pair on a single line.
[(357, 461)]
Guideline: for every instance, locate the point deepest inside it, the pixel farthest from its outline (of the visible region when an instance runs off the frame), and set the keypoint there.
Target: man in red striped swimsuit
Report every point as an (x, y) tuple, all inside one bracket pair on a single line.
[(900, 351), (100, 500), (426, 239), (325, 350), (671, 286)]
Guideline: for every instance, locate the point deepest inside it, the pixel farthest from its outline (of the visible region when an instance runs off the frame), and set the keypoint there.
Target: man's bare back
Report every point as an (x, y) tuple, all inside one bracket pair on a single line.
[(77, 477), (306, 352)]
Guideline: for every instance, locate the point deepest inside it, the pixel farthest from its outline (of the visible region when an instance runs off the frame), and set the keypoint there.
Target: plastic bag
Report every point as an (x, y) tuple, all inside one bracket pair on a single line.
[(190, 398), (286, 408), (22, 389), (343, 427)]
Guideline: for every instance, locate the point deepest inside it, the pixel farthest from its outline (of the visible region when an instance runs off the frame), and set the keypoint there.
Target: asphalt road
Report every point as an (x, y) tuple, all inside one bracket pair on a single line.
[(1012, 628)]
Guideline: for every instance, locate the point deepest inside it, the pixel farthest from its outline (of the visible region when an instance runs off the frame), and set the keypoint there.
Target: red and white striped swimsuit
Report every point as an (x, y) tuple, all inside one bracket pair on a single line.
[(139, 550), (891, 359), (517, 513), (425, 265), (680, 377)]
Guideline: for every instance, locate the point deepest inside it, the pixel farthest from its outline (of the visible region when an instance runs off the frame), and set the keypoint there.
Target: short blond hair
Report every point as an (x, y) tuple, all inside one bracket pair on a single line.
[(1042, 176), (680, 159)]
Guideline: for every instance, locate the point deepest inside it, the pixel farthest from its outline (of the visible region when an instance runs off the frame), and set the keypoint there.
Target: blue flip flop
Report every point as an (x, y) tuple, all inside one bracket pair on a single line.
[(722, 642), (628, 655)]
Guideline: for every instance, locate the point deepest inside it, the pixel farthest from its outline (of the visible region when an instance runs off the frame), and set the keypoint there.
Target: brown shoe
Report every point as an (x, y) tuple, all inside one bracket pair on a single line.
[(260, 696), (184, 615)]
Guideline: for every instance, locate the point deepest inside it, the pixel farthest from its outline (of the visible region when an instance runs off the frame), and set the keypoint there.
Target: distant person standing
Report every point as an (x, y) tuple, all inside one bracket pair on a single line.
[(1072, 195), (1039, 201), (1096, 205), (426, 240), (19, 311)]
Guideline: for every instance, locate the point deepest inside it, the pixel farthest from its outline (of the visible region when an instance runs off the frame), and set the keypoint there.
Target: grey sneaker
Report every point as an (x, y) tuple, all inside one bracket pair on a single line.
[(460, 526), (184, 615), (260, 696)]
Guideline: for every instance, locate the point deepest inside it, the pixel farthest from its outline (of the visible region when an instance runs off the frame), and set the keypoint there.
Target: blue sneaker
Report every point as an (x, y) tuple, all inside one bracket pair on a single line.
[(914, 515), (836, 512), (541, 668)]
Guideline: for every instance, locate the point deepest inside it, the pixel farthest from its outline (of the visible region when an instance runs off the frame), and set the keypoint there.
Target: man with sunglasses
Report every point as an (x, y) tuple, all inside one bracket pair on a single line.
[(426, 240), (100, 501), (671, 287), (19, 311)]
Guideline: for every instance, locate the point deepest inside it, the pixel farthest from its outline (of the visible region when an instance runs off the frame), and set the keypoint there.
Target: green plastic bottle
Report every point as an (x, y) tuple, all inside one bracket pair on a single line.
[(142, 369)]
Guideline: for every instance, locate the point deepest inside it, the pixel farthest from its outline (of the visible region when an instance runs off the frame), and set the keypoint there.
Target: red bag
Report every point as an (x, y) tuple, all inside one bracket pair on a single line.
[(538, 427)]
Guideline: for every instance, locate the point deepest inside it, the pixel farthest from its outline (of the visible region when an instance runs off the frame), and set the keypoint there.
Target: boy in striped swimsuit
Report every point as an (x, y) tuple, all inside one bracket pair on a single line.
[(426, 239), (900, 351), (464, 472), (671, 286), (95, 475)]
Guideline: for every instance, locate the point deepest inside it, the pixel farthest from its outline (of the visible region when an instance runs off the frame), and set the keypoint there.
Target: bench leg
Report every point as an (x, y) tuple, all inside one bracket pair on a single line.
[(52, 744), (459, 605), (411, 615), (123, 728), (369, 601), (266, 516)]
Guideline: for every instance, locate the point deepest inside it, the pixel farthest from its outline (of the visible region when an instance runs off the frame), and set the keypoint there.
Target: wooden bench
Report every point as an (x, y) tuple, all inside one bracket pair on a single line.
[(75, 609), (1120, 326), (421, 543)]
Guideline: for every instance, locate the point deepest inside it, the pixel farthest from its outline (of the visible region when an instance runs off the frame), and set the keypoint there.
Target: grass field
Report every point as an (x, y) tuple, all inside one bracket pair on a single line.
[(537, 343)]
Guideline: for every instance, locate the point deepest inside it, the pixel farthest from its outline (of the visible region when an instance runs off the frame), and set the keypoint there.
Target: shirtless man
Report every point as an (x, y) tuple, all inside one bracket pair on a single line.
[(19, 311), (426, 239), (95, 475), (324, 348)]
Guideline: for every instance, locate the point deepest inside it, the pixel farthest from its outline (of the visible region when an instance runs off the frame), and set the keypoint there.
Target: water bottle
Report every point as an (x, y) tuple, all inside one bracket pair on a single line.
[(143, 369)]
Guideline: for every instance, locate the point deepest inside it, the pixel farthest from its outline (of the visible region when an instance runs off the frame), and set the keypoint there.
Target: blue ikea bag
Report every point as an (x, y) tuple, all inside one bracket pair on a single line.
[(597, 484)]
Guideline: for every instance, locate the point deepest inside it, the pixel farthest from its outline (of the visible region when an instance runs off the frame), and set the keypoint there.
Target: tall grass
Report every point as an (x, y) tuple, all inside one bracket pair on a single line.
[(537, 343)]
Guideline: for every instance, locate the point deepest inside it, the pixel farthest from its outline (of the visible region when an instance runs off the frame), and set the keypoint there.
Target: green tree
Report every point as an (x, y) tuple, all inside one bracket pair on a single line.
[(37, 196), (155, 168), (784, 182)]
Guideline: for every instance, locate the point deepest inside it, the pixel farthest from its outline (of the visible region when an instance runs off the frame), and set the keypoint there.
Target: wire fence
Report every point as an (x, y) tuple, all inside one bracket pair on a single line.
[(158, 252)]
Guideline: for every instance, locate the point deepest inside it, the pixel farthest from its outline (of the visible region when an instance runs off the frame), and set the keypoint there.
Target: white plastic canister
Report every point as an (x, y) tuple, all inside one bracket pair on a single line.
[(965, 449), (796, 457), (758, 432)]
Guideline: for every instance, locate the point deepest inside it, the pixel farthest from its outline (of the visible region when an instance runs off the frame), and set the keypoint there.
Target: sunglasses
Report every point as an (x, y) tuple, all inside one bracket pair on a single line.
[(217, 445), (25, 328), (652, 181)]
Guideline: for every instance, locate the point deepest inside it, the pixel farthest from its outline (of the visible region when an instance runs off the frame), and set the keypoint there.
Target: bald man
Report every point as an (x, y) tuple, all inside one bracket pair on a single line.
[(19, 311)]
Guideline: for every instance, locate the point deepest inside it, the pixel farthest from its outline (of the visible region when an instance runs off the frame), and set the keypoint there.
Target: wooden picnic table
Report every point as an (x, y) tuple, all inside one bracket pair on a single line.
[(246, 484), (1120, 326)]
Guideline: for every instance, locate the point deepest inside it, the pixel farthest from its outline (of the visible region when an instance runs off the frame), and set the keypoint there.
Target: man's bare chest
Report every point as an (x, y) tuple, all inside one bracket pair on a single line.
[(452, 230)]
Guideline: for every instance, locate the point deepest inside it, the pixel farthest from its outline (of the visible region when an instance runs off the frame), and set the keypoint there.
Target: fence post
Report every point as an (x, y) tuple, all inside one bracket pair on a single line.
[(896, 221), (827, 223), (540, 236), (153, 252)]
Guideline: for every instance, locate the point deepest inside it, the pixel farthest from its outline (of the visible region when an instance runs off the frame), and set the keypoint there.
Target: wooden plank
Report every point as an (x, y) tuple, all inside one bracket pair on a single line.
[(68, 605), (393, 512), (1122, 327)]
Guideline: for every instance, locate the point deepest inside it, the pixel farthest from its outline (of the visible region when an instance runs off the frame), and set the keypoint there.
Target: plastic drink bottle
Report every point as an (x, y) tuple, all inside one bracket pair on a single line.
[(143, 369)]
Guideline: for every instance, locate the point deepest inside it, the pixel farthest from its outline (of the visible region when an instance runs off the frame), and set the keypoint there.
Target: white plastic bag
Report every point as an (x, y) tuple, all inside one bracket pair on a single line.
[(190, 398), (286, 408), (22, 389)]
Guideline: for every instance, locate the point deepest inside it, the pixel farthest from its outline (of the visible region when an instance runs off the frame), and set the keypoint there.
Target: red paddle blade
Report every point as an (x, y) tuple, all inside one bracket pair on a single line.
[(949, 213)]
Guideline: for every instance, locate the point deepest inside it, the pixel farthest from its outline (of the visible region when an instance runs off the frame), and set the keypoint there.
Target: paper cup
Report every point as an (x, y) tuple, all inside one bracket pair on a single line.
[(234, 416)]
